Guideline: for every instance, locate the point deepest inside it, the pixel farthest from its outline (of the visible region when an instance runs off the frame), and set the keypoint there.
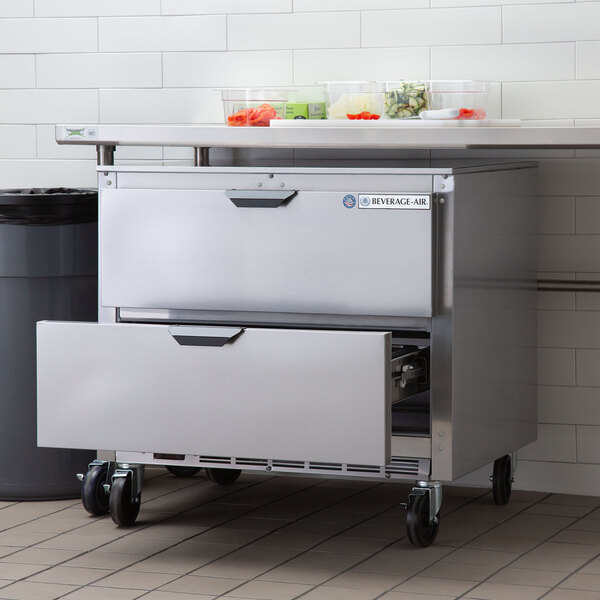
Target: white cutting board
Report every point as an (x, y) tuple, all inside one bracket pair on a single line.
[(396, 123)]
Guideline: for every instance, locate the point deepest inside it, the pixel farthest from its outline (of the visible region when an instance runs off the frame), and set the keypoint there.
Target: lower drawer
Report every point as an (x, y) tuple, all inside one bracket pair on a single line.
[(255, 393)]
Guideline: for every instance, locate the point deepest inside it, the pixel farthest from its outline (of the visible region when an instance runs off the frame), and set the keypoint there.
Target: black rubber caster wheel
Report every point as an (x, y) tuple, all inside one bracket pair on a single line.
[(502, 480), (421, 529), (93, 496), (183, 471), (123, 508), (223, 476)]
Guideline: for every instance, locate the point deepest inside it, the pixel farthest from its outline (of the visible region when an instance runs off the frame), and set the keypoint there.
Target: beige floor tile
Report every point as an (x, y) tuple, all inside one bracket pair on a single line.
[(559, 594), (134, 545), (586, 525), (318, 529), (136, 580), (512, 508), (76, 541), (590, 501), (332, 593), (269, 590), (404, 550), (564, 564), (502, 543), (17, 537), (287, 574), (162, 563), (528, 577), (392, 566), (516, 531), (103, 560), (573, 536), (434, 585), (582, 581), (410, 596), (471, 556), (68, 575), (564, 549), (192, 584), (98, 593), (40, 556), (290, 541), (17, 571), (229, 568), (240, 537), (158, 595), (378, 582), (550, 521), (449, 570), (563, 510), (592, 567), (501, 591), (350, 545), (170, 531), (50, 524), (325, 560), (199, 550), (25, 590)]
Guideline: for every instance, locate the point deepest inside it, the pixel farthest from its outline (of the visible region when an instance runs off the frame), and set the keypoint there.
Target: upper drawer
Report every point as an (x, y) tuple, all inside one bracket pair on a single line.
[(236, 251)]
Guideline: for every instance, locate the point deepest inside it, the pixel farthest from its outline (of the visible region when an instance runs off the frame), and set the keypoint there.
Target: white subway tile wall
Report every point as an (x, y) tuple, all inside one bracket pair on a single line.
[(159, 61)]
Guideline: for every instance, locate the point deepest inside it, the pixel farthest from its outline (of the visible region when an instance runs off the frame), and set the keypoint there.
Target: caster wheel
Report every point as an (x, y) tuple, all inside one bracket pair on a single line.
[(223, 476), (183, 471), (502, 480), (123, 509), (93, 496), (421, 529)]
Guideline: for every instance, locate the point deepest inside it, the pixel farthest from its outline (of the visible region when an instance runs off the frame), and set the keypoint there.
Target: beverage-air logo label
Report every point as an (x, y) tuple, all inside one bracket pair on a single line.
[(395, 201)]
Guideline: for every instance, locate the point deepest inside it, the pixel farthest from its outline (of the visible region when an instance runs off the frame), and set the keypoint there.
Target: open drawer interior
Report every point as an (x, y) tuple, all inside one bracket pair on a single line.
[(411, 407)]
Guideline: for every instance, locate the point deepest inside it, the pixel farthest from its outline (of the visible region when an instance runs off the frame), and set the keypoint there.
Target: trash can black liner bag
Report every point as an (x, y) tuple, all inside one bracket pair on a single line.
[(48, 270)]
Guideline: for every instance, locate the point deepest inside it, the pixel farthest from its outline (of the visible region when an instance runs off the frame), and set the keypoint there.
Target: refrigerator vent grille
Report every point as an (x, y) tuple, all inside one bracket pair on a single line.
[(398, 468)]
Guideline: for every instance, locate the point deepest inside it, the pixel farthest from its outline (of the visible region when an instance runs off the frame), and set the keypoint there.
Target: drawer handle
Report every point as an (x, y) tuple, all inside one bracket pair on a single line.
[(260, 198), (204, 336)]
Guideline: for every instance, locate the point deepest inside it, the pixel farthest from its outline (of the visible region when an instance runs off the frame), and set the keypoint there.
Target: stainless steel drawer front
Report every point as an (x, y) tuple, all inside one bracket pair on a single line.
[(302, 253), (278, 394)]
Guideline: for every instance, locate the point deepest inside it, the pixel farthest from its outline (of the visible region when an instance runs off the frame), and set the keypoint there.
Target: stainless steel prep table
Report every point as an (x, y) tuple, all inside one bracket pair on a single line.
[(351, 322)]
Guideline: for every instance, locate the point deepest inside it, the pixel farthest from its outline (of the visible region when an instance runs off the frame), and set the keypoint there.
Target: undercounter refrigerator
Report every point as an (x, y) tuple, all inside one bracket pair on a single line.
[(359, 323)]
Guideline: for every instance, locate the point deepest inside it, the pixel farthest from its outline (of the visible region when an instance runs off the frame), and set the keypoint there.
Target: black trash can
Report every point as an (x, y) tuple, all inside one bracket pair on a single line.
[(48, 270)]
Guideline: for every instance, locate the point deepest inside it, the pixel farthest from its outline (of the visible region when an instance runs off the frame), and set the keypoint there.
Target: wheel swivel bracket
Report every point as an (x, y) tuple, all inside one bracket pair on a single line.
[(136, 472), (434, 490)]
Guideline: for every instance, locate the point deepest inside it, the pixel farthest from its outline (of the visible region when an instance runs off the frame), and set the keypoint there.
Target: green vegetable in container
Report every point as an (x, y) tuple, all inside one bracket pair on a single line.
[(407, 100)]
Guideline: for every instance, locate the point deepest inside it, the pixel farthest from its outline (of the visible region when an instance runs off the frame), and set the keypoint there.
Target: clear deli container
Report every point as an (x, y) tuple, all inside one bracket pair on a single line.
[(405, 99), (353, 99), (254, 107), (469, 97)]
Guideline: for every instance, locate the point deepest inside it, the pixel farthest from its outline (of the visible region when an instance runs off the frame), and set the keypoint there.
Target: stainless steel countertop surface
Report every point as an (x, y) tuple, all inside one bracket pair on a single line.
[(329, 137)]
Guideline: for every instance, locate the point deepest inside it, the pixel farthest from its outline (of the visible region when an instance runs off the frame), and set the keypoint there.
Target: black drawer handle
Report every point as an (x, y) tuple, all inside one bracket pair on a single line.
[(204, 336), (260, 198)]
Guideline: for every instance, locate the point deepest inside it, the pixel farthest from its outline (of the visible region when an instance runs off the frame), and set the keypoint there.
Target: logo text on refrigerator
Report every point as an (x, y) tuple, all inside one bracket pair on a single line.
[(395, 201)]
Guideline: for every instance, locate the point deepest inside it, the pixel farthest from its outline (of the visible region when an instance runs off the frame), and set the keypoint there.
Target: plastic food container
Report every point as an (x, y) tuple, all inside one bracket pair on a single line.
[(359, 100), (468, 97), (254, 107), (405, 99)]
